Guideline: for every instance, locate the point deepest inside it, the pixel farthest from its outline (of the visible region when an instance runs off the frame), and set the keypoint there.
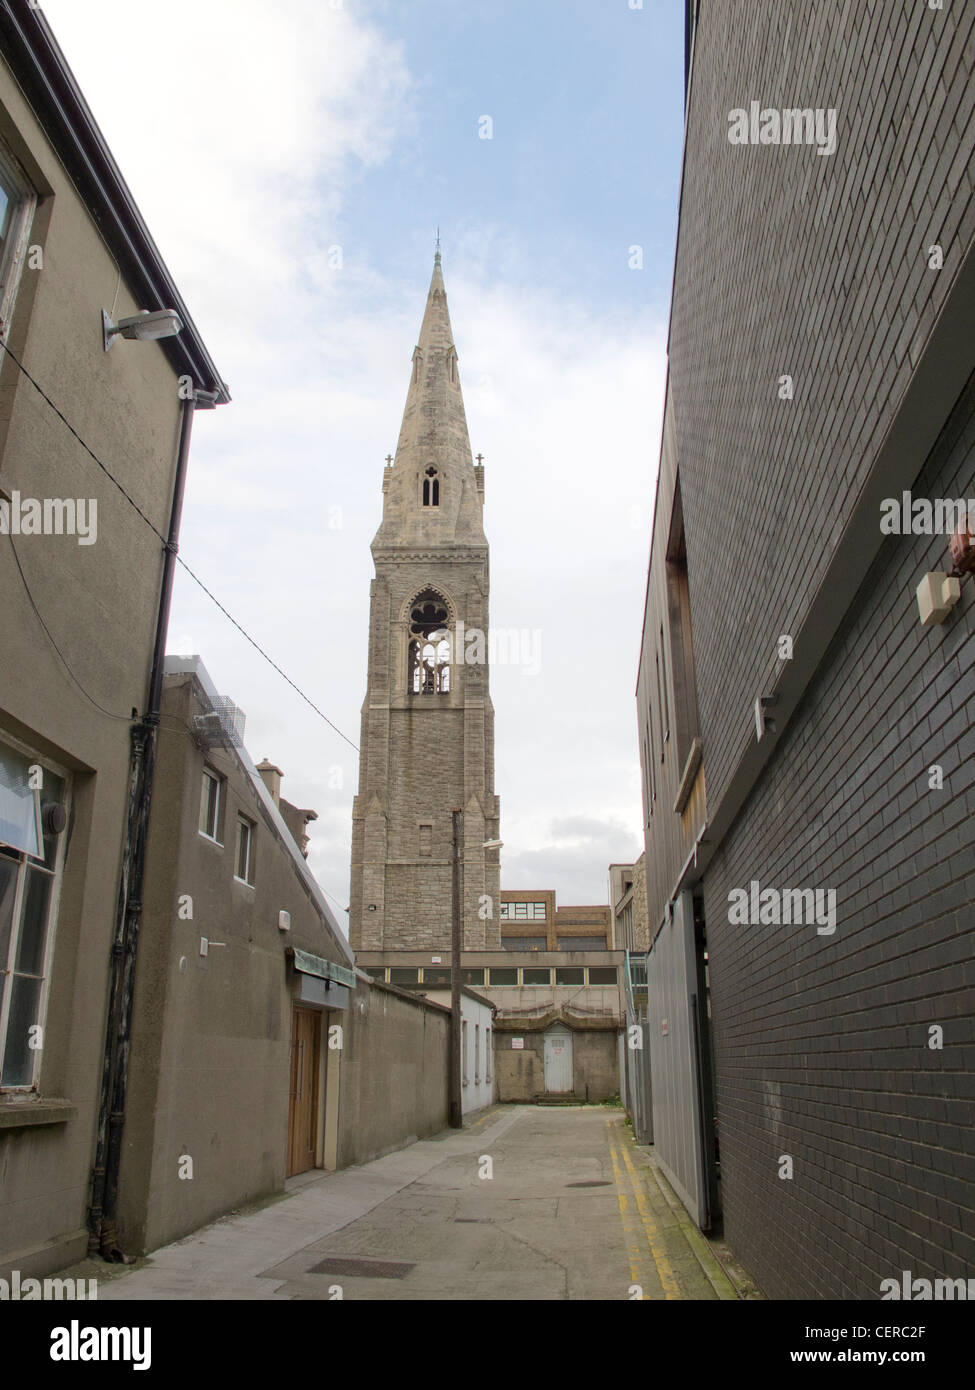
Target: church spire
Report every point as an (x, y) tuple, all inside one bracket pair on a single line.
[(433, 492), (427, 718)]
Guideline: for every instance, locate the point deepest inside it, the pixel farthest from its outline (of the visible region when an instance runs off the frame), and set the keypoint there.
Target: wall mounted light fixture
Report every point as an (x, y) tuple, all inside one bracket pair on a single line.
[(144, 326)]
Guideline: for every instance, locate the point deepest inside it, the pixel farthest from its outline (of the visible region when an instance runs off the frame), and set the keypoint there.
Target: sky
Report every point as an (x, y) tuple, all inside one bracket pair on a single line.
[(293, 164)]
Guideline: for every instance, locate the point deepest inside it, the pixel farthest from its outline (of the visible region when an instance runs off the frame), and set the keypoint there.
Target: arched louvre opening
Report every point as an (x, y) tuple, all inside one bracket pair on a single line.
[(429, 645)]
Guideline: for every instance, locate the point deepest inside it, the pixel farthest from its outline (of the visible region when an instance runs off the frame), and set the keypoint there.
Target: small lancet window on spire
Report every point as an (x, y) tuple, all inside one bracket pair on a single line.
[(431, 488)]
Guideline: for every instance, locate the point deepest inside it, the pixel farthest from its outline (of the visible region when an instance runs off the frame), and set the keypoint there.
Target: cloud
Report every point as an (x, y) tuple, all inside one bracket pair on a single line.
[(247, 173)]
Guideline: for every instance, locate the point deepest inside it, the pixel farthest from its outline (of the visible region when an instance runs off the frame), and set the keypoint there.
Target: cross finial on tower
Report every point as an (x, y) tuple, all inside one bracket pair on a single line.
[(437, 256), (480, 459)]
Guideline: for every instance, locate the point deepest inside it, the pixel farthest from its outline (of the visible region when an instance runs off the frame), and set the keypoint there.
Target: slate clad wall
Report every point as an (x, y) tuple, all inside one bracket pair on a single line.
[(793, 262), (821, 1042)]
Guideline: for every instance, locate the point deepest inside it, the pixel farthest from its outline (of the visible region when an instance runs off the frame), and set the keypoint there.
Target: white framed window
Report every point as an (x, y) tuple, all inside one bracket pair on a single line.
[(211, 796), (477, 1054), (33, 810), (17, 203), (487, 1054), (244, 860), (463, 1047)]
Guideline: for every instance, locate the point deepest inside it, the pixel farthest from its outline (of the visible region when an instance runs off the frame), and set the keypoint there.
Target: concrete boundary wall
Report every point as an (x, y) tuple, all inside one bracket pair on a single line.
[(394, 1073)]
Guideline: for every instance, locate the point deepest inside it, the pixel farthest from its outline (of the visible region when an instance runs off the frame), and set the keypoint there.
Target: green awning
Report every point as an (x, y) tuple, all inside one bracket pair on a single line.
[(324, 969)]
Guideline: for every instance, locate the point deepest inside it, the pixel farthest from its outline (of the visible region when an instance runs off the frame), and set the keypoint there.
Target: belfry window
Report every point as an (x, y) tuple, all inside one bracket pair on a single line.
[(431, 488), (429, 645)]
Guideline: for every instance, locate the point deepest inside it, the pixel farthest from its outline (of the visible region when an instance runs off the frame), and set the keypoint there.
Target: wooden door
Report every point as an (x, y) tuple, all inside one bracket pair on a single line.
[(306, 1038)]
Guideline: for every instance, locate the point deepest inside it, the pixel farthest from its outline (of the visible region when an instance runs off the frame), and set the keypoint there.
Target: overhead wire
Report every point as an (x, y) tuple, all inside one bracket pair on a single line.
[(110, 714), (156, 532)]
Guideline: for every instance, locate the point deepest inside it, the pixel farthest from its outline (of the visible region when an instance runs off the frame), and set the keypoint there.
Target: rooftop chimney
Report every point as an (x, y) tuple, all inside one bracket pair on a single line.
[(271, 776)]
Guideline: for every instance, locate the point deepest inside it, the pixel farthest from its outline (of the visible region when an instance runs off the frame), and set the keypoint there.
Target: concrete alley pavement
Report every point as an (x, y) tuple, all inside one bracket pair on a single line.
[(527, 1202)]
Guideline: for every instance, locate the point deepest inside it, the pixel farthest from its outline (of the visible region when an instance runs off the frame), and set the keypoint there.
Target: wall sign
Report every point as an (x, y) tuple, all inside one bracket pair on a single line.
[(518, 1042)]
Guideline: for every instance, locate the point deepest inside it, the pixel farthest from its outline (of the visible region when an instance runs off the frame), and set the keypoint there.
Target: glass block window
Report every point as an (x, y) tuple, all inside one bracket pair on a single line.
[(522, 912)]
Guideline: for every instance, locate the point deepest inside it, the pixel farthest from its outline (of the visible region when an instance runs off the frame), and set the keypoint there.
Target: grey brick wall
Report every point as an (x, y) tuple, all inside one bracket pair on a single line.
[(790, 262), (821, 1042)]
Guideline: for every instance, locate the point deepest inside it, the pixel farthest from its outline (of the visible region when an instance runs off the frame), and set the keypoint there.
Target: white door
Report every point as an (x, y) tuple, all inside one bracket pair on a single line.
[(558, 1059)]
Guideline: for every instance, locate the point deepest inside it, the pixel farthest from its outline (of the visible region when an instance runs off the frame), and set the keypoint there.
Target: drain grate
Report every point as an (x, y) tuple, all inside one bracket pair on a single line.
[(355, 1266), (591, 1182), (472, 1220)]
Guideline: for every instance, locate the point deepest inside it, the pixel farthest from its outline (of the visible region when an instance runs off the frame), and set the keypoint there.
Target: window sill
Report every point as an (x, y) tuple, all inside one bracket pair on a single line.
[(210, 840), (243, 882), (21, 1112), (691, 769)]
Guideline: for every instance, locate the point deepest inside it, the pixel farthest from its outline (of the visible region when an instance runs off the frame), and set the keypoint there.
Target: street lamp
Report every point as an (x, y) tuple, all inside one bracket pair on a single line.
[(455, 1110), (144, 326)]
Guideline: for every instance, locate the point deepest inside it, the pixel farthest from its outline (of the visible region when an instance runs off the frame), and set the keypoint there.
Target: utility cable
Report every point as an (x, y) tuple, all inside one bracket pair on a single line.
[(156, 532)]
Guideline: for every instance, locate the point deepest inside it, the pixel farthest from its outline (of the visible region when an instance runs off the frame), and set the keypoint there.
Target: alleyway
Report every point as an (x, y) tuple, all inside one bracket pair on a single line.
[(572, 1210)]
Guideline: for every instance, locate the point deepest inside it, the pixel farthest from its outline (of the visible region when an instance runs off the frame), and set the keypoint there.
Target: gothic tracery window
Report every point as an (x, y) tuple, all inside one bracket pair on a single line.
[(429, 645), (431, 488)]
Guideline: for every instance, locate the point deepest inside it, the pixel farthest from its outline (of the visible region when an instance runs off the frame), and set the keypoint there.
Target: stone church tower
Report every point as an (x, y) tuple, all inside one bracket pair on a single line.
[(427, 742)]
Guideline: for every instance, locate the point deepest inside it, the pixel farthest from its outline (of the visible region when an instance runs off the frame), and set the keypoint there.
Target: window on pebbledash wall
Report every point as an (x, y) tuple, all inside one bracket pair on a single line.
[(211, 805), (17, 203), (244, 870), (33, 812), (684, 679)]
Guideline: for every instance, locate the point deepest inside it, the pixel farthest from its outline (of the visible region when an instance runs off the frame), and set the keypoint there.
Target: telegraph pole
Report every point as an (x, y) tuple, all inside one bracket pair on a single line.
[(455, 1108)]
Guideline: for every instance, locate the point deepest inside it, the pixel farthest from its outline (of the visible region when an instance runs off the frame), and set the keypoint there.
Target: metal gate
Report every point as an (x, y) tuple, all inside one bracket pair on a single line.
[(681, 1124), (558, 1059)]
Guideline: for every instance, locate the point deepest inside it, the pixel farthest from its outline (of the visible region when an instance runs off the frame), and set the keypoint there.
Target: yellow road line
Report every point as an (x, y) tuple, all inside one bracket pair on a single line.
[(638, 1271), (652, 1232)]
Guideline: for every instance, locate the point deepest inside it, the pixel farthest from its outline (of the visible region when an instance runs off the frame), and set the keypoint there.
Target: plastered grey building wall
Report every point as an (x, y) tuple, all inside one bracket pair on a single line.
[(77, 620), (207, 1121)]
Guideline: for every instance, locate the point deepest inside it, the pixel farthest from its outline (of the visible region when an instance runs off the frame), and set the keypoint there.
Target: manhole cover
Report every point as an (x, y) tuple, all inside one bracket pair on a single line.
[(591, 1182), (361, 1268)]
